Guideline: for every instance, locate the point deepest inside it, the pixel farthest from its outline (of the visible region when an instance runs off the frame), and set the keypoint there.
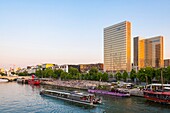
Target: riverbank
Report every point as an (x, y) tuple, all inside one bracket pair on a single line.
[(86, 84), (78, 84)]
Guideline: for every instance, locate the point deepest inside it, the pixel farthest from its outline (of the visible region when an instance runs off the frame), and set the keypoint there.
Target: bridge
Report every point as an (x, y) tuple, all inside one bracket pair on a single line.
[(12, 78)]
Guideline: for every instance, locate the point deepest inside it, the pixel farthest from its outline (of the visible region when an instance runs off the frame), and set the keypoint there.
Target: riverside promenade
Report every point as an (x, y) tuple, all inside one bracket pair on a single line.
[(86, 84), (79, 84)]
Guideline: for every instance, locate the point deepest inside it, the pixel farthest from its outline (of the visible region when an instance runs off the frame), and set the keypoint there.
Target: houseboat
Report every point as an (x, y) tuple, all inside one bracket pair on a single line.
[(117, 92), (77, 97), (158, 93)]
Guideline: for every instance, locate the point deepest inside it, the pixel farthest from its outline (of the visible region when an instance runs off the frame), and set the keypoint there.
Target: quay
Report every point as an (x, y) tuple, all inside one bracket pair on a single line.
[(73, 84), (85, 85)]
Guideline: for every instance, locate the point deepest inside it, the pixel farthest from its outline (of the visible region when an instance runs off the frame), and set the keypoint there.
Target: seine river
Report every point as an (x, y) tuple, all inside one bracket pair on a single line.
[(18, 98)]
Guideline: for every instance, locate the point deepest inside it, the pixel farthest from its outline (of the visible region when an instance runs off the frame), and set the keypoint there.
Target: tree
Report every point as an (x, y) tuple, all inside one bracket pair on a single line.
[(12, 73), (104, 77), (64, 75), (166, 74), (141, 75), (25, 73), (149, 74), (39, 73), (99, 76), (111, 75), (73, 72), (57, 73), (125, 76), (158, 74), (49, 72), (118, 76), (93, 73), (133, 75), (3, 74)]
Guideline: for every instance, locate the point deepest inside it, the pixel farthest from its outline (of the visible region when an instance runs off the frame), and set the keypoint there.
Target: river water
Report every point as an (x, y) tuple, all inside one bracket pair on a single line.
[(18, 98)]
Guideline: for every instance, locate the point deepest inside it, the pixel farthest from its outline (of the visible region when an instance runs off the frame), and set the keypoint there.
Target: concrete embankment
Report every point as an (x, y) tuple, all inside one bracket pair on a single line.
[(84, 85), (77, 84)]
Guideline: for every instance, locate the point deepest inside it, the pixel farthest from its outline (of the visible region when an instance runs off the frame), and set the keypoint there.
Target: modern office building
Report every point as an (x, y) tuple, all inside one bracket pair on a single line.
[(87, 67), (166, 63), (148, 52), (117, 47)]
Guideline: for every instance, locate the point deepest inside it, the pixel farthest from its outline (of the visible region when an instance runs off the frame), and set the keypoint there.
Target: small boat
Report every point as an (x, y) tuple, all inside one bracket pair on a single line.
[(77, 97), (3, 80), (158, 93), (34, 81), (119, 93)]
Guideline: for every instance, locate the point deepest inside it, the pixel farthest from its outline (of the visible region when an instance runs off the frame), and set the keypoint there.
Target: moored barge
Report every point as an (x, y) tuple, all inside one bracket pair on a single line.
[(77, 97), (158, 93)]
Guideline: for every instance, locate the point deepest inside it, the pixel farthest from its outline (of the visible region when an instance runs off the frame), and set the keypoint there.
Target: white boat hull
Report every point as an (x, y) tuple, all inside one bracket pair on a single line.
[(3, 80)]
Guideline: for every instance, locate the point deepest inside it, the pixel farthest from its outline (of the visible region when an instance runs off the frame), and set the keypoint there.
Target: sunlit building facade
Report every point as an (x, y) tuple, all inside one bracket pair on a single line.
[(148, 52), (117, 47), (166, 63), (87, 67)]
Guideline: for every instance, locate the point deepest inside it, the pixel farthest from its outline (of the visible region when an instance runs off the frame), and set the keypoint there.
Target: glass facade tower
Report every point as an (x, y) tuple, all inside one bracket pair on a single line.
[(117, 47)]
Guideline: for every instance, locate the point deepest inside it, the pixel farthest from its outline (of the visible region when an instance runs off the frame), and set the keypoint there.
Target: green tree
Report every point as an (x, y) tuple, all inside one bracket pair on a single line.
[(99, 76), (87, 76), (166, 74), (21, 74), (111, 75), (57, 73), (73, 71), (158, 74), (118, 76), (93, 73), (141, 75), (64, 75), (39, 73), (149, 74), (12, 73), (125, 76), (133, 75), (3, 74), (49, 72), (105, 77)]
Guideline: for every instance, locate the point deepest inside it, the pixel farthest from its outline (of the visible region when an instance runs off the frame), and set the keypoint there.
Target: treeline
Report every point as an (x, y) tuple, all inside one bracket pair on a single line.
[(150, 74), (73, 73), (147, 74)]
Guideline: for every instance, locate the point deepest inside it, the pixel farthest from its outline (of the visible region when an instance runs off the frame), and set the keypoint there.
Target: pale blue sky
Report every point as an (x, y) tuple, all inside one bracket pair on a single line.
[(71, 31)]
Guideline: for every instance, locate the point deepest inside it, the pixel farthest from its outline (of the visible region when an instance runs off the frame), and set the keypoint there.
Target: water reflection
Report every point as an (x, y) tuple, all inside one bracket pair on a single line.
[(22, 98)]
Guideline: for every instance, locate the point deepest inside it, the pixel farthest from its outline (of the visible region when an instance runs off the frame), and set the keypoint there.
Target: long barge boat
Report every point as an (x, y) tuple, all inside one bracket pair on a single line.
[(77, 97)]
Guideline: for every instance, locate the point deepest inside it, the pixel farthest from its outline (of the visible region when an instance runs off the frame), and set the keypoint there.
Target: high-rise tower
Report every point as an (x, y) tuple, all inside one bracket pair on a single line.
[(117, 47), (148, 52)]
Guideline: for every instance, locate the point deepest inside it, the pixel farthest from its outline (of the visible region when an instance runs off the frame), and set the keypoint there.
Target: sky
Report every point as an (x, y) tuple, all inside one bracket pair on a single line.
[(71, 31)]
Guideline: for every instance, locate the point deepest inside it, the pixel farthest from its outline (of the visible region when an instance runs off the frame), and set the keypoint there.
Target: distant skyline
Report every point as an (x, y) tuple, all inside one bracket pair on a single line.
[(71, 31)]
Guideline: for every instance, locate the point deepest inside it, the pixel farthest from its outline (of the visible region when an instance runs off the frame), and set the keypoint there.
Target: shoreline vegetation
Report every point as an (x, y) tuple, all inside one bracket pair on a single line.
[(95, 79), (148, 75)]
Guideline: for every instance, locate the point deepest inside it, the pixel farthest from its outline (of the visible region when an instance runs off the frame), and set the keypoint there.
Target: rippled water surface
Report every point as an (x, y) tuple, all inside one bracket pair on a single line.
[(18, 98)]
